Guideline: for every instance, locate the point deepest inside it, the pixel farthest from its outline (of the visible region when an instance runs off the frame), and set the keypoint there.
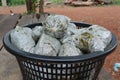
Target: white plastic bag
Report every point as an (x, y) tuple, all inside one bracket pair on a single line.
[(87, 42), (21, 37), (101, 32), (37, 32), (69, 49), (56, 25), (71, 30), (96, 44), (47, 45), (94, 38)]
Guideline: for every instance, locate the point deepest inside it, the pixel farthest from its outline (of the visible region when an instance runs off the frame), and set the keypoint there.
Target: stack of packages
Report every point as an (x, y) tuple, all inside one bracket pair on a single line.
[(58, 37)]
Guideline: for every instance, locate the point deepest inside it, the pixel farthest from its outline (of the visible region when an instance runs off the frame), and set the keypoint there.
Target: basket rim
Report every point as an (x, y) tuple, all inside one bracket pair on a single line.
[(60, 59)]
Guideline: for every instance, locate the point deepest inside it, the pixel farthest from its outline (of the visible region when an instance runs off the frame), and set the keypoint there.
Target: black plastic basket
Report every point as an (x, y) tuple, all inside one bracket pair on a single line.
[(39, 67)]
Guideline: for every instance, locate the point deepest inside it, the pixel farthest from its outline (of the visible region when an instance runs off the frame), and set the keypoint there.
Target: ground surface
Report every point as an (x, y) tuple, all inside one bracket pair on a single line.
[(107, 16)]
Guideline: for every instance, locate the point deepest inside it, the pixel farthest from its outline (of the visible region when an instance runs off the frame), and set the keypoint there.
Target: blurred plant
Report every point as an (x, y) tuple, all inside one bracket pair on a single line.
[(15, 2), (33, 4), (57, 1), (116, 2), (0, 3)]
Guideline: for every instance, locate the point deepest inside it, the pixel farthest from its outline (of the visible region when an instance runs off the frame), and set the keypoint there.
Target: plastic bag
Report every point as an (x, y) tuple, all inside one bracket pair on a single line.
[(101, 32), (69, 49), (71, 30), (21, 37), (88, 42), (94, 38), (56, 25), (37, 32), (47, 45)]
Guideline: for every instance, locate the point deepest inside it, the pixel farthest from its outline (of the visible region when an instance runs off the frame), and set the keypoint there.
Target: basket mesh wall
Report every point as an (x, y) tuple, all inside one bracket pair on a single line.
[(37, 70)]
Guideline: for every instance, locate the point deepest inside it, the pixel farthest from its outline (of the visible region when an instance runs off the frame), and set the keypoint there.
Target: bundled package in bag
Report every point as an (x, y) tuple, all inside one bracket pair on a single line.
[(56, 25), (71, 30), (21, 37), (88, 42), (37, 32), (95, 44), (94, 38), (101, 32), (69, 49), (47, 45)]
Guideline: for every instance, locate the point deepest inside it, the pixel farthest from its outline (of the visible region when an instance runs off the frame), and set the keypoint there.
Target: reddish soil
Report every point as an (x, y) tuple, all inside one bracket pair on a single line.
[(107, 16)]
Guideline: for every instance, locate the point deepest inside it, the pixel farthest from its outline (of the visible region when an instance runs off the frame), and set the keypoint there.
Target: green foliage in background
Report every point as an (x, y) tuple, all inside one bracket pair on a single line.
[(116, 2), (15, 2), (57, 1), (0, 3), (34, 6)]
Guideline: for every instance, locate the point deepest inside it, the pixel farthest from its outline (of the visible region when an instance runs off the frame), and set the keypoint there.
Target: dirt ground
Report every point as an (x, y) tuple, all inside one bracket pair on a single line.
[(107, 16)]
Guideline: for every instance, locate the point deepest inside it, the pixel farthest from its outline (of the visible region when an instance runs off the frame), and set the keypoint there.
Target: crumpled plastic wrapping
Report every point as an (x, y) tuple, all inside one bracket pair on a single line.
[(47, 45), (94, 38), (101, 32), (88, 42), (71, 33), (69, 49), (56, 25), (37, 32), (21, 37), (71, 30), (95, 44)]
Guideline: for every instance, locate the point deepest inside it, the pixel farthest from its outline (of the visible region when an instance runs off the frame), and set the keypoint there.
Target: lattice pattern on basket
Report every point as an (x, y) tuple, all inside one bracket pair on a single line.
[(37, 70)]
